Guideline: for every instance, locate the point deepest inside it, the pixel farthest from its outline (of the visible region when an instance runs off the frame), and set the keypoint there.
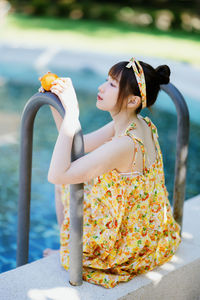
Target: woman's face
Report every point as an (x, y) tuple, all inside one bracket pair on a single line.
[(108, 94)]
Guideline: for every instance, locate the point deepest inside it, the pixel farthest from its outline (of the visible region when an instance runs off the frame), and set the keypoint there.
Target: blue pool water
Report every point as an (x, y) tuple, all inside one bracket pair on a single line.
[(44, 230)]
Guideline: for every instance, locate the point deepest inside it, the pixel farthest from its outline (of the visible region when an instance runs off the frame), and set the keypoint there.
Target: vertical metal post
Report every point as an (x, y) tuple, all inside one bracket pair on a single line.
[(182, 141), (76, 219), (76, 197)]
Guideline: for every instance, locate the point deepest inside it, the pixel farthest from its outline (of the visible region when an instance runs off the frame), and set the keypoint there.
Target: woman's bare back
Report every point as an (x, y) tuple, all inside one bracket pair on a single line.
[(144, 132)]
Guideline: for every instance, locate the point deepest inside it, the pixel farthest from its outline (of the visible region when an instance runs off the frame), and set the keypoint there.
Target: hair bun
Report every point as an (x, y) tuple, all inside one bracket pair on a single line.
[(163, 73)]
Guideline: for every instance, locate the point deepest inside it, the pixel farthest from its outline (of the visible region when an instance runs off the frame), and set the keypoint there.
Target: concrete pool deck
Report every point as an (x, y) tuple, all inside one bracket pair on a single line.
[(177, 279)]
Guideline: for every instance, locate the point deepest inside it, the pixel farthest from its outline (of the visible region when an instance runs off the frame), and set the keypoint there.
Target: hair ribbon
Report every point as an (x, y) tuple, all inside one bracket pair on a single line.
[(140, 79)]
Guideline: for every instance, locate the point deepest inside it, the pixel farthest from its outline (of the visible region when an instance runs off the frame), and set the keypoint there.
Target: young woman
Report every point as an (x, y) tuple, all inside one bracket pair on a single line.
[(128, 227)]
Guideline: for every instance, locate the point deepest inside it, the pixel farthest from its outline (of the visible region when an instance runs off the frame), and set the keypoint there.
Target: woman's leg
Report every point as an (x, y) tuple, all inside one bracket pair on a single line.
[(59, 215)]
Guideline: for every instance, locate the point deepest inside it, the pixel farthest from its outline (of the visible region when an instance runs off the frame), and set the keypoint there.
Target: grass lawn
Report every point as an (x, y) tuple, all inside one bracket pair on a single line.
[(99, 36)]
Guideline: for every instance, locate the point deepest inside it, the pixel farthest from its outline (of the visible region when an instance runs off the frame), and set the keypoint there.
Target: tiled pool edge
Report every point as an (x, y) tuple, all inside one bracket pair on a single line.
[(177, 279)]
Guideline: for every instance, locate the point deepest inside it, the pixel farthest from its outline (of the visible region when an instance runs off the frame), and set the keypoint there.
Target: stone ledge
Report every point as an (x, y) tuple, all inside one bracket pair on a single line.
[(45, 279)]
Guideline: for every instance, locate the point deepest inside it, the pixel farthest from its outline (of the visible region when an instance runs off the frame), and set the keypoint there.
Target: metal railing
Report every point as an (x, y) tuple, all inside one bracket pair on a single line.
[(76, 190), (182, 140)]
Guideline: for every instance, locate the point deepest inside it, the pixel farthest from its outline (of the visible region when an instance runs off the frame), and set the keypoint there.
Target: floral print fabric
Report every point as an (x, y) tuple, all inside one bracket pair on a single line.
[(139, 75), (128, 227)]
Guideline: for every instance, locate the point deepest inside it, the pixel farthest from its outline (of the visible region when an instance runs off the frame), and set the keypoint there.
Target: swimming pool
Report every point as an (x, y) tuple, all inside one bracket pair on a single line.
[(44, 230)]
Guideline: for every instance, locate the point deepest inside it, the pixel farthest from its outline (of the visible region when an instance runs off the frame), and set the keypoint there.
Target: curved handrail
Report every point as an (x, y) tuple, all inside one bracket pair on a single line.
[(182, 141), (76, 190)]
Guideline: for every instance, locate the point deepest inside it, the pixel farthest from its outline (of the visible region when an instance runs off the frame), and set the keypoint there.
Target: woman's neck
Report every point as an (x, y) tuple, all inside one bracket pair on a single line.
[(122, 121)]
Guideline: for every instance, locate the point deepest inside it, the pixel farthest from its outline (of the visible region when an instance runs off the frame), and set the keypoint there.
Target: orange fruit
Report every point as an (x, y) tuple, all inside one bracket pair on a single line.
[(46, 81)]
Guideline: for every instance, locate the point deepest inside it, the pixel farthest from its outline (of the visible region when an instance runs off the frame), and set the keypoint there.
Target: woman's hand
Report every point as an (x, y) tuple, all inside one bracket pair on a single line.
[(41, 90), (63, 88)]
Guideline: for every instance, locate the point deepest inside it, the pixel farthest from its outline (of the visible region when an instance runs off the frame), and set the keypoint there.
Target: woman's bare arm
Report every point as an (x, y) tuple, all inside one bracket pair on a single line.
[(57, 117), (93, 139), (98, 137)]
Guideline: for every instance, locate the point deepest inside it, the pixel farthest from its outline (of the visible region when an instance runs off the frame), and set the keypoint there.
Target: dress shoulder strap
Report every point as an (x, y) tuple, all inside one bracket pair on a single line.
[(155, 134), (137, 142)]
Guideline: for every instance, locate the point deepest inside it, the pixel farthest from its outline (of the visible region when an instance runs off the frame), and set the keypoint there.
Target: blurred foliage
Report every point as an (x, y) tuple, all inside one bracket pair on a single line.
[(162, 14)]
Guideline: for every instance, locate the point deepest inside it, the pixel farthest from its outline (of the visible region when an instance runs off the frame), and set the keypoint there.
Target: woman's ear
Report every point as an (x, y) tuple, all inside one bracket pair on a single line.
[(133, 101)]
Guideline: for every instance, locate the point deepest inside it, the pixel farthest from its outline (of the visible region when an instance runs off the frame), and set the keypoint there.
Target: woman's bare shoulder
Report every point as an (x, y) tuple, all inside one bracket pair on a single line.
[(98, 137)]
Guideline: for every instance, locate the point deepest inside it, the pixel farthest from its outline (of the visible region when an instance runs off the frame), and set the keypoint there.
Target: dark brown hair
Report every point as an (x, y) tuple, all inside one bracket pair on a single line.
[(128, 84)]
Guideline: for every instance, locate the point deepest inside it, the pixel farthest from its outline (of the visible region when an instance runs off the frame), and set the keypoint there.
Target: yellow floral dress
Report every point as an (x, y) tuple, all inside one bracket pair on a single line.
[(128, 226)]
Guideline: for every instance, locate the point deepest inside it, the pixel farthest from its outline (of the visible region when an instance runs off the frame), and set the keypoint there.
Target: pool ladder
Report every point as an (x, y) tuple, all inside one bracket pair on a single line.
[(77, 190)]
